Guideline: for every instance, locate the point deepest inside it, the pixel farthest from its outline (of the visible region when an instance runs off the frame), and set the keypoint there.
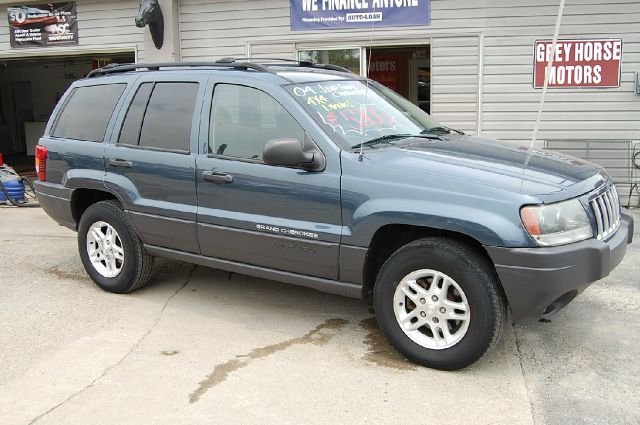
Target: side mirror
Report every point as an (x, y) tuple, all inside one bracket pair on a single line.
[(291, 153)]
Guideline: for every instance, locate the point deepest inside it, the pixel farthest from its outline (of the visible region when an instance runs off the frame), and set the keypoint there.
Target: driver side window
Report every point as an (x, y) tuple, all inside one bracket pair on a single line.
[(244, 119)]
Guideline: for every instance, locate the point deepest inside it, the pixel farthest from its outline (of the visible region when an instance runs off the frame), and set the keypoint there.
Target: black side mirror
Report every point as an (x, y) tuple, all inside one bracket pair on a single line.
[(291, 153)]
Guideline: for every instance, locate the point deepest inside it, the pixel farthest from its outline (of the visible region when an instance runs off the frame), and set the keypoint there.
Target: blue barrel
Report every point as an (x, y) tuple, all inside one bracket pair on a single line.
[(15, 190), (12, 184)]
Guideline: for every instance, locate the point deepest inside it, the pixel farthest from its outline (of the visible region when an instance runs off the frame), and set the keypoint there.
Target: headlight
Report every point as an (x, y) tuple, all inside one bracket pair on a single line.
[(557, 224)]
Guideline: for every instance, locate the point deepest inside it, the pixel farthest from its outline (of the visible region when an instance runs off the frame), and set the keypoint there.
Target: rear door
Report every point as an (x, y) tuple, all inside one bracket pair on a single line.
[(150, 162), (250, 212)]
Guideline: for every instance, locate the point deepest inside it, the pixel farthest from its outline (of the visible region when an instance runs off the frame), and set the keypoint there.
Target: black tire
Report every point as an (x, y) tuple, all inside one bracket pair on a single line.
[(472, 272), (137, 267)]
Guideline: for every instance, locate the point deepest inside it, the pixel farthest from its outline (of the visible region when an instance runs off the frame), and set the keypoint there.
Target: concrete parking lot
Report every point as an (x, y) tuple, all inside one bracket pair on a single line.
[(201, 346)]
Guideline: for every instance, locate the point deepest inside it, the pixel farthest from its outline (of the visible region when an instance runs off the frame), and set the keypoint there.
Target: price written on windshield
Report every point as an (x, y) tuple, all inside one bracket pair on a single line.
[(359, 119), (344, 107)]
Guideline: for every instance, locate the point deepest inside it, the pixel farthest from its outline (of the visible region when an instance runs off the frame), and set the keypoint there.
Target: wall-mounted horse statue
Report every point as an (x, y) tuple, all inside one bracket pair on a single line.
[(151, 14)]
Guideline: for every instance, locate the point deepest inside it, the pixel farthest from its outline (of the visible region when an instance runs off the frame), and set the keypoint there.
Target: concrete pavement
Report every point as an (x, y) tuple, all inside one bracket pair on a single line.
[(200, 346)]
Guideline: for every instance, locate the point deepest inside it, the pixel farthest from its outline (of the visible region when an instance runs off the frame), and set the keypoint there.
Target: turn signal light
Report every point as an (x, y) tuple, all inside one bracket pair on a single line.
[(41, 162), (530, 220)]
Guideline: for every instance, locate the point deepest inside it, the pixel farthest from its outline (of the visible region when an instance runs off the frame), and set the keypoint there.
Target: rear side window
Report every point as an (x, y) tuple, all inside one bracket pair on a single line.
[(86, 114), (168, 117), (130, 133)]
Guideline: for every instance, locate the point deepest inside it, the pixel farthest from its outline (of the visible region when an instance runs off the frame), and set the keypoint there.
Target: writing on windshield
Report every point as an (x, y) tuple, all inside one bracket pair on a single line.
[(347, 107)]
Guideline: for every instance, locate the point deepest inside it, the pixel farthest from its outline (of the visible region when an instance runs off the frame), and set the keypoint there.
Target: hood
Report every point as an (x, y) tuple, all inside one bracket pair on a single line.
[(536, 172)]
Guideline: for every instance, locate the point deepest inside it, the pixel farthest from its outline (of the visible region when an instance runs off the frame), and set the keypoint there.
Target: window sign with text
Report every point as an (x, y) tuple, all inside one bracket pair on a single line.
[(39, 25)]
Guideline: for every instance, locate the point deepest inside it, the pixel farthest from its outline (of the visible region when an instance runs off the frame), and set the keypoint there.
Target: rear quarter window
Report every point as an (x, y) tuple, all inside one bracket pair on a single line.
[(86, 114)]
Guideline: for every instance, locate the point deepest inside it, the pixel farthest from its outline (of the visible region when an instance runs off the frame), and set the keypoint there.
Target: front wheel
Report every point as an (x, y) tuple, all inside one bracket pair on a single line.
[(439, 303), (110, 250)]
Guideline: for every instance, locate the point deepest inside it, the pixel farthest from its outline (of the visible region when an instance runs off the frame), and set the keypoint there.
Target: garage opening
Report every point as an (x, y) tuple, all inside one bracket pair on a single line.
[(30, 88)]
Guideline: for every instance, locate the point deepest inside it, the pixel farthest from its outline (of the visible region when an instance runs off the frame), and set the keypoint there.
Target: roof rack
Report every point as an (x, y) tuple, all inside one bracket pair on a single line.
[(226, 62), (125, 67), (299, 63)]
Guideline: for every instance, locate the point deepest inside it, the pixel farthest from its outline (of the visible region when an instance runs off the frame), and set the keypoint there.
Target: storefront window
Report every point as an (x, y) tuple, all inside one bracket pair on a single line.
[(404, 69), (346, 58)]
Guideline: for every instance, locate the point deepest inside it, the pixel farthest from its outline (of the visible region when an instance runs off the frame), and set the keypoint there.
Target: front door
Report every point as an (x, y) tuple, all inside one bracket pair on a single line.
[(151, 164), (282, 218)]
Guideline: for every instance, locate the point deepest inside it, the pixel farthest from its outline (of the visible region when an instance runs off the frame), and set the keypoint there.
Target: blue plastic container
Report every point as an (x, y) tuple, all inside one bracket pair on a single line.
[(11, 182), (15, 190)]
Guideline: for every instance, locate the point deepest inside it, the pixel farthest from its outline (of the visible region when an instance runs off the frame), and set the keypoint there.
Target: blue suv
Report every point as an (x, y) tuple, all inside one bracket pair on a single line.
[(314, 176)]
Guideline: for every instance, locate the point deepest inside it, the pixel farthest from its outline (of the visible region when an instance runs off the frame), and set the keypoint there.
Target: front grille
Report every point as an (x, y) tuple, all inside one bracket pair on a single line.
[(606, 209)]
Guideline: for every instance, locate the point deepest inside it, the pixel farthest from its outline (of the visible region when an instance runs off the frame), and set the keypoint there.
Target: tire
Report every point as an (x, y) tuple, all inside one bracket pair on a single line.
[(120, 263), (473, 309)]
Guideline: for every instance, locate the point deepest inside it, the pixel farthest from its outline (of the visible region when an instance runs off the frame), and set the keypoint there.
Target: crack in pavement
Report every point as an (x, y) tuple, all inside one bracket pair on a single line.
[(524, 379), (123, 358), (222, 371)]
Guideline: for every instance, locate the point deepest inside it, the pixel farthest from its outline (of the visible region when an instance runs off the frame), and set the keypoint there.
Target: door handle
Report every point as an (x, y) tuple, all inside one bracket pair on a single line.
[(214, 177), (114, 162)]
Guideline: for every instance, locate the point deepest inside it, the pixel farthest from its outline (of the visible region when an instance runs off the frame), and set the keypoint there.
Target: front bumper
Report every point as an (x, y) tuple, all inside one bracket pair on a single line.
[(533, 279)]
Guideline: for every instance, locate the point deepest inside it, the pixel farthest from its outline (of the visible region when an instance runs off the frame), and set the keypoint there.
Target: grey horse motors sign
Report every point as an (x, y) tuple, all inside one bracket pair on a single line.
[(51, 24)]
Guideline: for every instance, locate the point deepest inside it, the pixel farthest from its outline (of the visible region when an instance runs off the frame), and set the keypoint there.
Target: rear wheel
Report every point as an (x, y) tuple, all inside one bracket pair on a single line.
[(438, 302), (110, 250)]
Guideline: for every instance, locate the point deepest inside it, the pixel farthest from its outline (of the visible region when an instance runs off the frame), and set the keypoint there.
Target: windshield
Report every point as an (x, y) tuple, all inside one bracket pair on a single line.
[(355, 115)]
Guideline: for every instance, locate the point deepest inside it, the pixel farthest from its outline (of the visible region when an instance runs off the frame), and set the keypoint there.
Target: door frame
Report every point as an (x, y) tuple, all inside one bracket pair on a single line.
[(414, 64), (45, 52)]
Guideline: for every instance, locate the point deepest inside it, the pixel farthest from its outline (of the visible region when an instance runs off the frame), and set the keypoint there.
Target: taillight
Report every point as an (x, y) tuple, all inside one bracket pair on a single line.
[(41, 162)]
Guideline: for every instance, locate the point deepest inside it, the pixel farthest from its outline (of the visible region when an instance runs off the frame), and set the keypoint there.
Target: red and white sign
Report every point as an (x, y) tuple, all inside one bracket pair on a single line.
[(385, 69), (578, 63)]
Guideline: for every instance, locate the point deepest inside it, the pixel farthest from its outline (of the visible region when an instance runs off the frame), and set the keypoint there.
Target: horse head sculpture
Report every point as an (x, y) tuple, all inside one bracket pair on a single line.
[(151, 14)]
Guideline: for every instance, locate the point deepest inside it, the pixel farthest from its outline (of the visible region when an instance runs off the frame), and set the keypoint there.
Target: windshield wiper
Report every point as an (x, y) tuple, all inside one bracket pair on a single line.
[(382, 139), (389, 137), (441, 129)]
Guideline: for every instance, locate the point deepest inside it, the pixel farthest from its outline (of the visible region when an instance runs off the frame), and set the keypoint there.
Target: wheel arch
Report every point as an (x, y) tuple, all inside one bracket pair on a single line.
[(83, 198), (390, 237)]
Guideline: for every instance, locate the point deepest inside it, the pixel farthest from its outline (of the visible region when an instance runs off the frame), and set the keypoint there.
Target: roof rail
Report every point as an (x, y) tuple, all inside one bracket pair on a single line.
[(332, 67), (226, 62), (300, 63), (125, 67)]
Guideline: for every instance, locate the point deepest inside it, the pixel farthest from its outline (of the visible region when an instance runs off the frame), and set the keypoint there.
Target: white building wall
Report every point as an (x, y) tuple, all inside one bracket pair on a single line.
[(460, 30)]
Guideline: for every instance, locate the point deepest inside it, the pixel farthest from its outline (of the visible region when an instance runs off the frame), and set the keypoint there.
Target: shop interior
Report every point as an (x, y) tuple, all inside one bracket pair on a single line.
[(30, 88)]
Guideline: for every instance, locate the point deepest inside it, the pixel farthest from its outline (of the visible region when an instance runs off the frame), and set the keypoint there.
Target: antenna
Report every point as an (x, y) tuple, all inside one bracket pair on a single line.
[(547, 71), (366, 92)]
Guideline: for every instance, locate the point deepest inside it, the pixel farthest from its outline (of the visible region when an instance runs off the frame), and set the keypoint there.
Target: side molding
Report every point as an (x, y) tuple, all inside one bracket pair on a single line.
[(323, 285)]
